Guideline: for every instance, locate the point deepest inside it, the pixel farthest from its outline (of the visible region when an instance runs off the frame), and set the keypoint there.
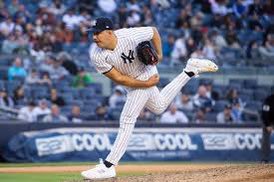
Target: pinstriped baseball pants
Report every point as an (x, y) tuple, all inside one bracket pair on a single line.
[(137, 99)]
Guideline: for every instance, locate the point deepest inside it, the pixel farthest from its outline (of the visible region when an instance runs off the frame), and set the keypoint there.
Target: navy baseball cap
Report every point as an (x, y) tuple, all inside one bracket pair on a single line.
[(101, 24)]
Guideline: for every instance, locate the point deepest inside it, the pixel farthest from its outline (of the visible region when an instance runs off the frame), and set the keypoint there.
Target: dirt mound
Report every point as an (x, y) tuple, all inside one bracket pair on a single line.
[(242, 173), (239, 173)]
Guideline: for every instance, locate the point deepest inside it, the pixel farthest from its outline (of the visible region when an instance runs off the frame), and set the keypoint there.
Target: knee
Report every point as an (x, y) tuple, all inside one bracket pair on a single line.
[(159, 110)]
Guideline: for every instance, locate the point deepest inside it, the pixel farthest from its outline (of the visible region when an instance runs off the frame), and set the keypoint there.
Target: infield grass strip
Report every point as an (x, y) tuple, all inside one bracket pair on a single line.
[(39, 177), (50, 177)]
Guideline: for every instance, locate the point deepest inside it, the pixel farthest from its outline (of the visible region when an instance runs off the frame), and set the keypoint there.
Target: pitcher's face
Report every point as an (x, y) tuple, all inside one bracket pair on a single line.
[(102, 38)]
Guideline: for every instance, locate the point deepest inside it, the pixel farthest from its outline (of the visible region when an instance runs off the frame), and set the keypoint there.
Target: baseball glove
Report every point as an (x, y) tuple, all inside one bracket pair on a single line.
[(146, 53)]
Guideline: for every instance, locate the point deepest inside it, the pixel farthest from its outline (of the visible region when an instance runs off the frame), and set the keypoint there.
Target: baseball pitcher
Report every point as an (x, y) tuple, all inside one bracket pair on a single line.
[(127, 57)]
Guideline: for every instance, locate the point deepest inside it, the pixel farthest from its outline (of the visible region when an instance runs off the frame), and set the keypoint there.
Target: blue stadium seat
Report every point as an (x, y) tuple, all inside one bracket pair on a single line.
[(246, 92), (211, 117), (97, 87), (75, 102), (219, 105), (254, 105), (87, 93), (260, 94), (68, 97), (250, 83)]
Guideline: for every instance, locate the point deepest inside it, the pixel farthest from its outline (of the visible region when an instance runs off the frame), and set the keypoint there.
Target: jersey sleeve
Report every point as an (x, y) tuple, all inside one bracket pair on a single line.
[(98, 61), (141, 34)]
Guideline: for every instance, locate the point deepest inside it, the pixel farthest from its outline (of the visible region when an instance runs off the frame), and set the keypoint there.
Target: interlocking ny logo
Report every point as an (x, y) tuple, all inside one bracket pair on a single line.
[(129, 57)]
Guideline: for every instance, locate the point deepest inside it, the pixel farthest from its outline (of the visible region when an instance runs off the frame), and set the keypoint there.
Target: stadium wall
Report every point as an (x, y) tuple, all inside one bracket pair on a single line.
[(43, 142)]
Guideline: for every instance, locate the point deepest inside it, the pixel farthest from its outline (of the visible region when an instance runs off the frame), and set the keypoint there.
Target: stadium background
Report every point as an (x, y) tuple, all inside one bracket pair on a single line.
[(44, 53)]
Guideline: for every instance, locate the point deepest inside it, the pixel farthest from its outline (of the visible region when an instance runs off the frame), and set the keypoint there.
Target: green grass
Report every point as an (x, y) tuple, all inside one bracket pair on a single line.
[(39, 177), (50, 177)]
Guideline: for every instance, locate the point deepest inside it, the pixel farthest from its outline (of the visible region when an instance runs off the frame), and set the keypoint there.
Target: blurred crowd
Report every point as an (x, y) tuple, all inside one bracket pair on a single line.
[(47, 76)]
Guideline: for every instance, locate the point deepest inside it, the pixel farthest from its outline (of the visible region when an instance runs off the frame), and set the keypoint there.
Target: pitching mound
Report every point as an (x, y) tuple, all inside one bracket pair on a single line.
[(170, 172), (233, 173)]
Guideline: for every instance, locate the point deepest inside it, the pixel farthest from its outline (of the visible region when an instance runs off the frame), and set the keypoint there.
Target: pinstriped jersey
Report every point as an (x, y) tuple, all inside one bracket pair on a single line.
[(124, 56)]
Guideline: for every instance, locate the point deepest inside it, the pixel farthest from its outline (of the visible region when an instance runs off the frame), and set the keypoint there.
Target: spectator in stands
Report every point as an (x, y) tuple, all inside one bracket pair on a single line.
[(13, 7), (5, 99), (7, 26), (209, 50), (63, 34), (200, 116), (268, 8), (219, 7), (256, 7), (54, 45), (168, 45), (212, 94), (122, 16), (46, 64), (57, 8), (147, 17), (101, 113), (56, 71), (118, 97), (22, 16), (107, 6), (190, 46), (33, 77), (87, 5), (45, 14), (179, 52), (232, 40), (26, 113), (70, 19), (217, 21), (267, 49), (19, 96), (9, 45), (225, 116), (202, 100), (173, 116), (218, 40), (67, 62), (198, 53), (134, 17), (255, 24), (184, 102), (146, 115), (239, 8), (197, 19), (45, 79), (55, 99), (55, 116), (233, 97), (75, 115), (82, 79), (42, 110), (21, 40), (17, 69), (237, 112), (252, 50), (182, 19)]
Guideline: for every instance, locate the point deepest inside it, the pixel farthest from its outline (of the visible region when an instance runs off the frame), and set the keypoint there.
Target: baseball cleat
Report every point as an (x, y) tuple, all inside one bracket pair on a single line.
[(99, 172), (197, 66)]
